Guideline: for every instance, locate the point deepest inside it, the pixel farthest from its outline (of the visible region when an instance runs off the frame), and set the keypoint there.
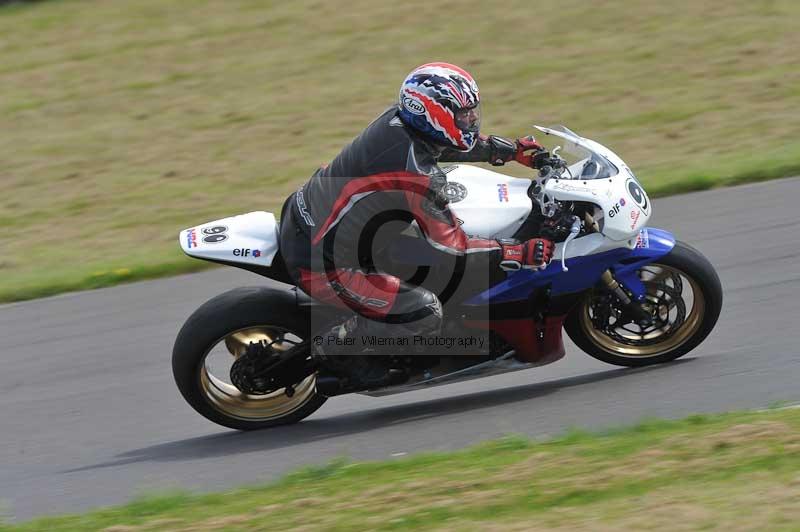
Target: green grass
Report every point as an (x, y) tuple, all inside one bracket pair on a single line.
[(123, 122), (736, 470)]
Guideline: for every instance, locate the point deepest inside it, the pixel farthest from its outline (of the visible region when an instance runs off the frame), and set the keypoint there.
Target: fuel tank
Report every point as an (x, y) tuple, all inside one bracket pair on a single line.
[(486, 203)]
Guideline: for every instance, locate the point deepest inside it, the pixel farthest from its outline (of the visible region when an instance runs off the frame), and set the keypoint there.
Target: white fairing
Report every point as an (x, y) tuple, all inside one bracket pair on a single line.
[(490, 204), (487, 204), (250, 238), (622, 216), (624, 204)]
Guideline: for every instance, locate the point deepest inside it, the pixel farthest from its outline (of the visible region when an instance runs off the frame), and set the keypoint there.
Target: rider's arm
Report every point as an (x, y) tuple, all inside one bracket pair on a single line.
[(491, 149), (441, 228), (442, 231), (430, 208), (496, 151)]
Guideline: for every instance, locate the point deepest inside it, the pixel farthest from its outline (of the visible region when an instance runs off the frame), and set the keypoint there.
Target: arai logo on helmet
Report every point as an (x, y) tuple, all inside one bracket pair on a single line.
[(413, 105)]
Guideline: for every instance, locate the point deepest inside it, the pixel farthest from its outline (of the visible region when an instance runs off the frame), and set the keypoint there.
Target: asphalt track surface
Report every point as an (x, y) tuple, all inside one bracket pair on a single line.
[(89, 414)]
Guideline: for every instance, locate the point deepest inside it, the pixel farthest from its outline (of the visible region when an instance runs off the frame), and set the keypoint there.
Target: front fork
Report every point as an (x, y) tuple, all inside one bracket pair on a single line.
[(625, 282)]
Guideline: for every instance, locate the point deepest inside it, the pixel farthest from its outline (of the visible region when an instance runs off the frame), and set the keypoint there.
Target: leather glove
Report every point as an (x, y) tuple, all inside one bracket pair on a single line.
[(541, 159), (503, 150), (534, 254), (523, 155)]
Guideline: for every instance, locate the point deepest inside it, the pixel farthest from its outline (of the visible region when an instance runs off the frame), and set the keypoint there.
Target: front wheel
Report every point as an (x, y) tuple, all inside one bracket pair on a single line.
[(217, 335), (684, 298)]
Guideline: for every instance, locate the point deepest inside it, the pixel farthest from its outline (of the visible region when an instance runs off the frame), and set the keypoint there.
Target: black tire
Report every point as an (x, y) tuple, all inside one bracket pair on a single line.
[(236, 310), (694, 266)]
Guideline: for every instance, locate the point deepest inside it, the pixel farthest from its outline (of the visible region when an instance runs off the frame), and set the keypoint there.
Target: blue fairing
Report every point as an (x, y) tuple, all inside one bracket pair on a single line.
[(584, 272)]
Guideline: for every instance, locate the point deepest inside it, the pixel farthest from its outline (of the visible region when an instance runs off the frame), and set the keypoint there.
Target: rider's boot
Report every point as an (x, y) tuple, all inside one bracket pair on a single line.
[(348, 349)]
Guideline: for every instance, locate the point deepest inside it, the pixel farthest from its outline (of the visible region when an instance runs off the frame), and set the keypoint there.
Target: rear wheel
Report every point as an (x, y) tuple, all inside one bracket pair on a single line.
[(216, 336), (684, 299)]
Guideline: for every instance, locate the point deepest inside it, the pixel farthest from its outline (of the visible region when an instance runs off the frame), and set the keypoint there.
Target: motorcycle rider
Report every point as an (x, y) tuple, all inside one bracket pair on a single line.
[(392, 166)]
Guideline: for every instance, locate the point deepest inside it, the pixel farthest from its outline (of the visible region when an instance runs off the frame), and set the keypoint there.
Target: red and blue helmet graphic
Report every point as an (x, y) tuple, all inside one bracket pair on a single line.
[(442, 103)]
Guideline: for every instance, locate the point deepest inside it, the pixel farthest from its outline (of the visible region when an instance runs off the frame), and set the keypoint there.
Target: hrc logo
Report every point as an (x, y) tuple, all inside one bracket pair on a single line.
[(502, 192), (191, 238)]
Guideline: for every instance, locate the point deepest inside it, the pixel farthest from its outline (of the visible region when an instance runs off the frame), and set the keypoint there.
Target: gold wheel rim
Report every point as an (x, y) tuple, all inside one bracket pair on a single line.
[(674, 340), (227, 399)]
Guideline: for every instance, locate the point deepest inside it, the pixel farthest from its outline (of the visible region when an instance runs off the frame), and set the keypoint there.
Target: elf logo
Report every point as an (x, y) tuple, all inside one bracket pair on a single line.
[(615, 209), (244, 252)]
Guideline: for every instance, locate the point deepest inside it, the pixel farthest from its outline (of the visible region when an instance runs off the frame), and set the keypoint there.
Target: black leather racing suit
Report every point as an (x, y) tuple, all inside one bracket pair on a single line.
[(386, 169)]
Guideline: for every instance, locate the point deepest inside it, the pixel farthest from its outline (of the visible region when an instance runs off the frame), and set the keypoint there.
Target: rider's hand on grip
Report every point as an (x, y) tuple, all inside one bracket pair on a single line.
[(534, 254), (525, 145), (540, 159)]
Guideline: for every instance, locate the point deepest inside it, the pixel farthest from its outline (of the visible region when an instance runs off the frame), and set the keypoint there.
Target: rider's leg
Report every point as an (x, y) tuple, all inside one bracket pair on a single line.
[(386, 304), (386, 309)]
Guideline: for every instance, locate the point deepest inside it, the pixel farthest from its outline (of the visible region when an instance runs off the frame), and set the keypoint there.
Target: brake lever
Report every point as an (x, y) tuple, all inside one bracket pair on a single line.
[(573, 232)]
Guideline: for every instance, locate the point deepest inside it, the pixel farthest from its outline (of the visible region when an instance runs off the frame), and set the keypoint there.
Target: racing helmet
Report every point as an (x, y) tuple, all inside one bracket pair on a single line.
[(441, 103)]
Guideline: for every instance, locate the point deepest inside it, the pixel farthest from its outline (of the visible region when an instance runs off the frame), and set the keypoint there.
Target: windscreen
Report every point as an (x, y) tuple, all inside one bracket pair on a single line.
[(583, 162)]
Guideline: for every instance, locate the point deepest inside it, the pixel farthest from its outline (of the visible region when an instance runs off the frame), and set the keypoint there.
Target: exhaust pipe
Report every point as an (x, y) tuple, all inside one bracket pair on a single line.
[(330, 385)]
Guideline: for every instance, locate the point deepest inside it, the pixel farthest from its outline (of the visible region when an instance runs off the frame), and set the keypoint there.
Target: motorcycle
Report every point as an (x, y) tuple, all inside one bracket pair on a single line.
[(625, 293)]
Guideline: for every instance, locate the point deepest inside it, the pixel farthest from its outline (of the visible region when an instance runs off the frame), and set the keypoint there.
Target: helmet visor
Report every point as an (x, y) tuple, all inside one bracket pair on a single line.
[(469, 119)]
